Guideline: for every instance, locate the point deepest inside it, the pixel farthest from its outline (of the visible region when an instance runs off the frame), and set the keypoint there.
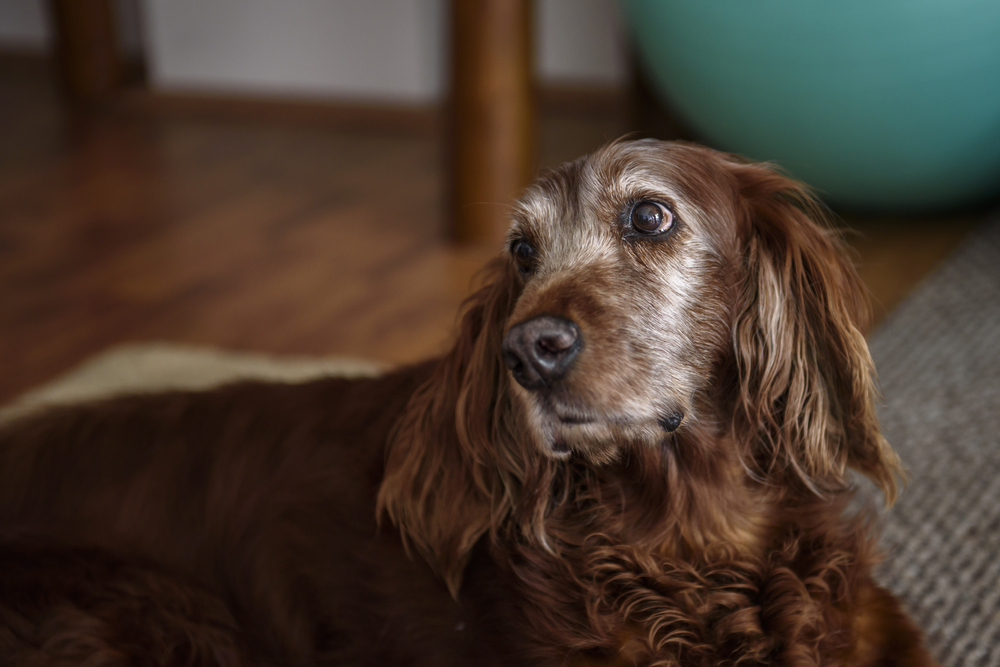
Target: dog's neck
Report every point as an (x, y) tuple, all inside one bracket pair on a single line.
[(680, 501)]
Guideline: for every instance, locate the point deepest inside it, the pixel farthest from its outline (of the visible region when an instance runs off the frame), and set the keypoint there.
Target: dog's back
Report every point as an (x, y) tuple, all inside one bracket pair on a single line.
[(201, 528)]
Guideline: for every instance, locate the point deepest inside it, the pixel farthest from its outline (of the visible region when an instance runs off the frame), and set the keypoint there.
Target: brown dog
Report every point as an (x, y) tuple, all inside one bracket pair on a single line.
[(635, 453)]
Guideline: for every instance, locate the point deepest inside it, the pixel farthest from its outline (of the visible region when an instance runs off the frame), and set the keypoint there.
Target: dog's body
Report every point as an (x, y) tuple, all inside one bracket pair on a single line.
[(235, 524), (634, 454)]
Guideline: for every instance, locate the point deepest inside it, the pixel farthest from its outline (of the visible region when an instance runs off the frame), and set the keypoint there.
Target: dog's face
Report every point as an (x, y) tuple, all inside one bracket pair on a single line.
[(626, 262)]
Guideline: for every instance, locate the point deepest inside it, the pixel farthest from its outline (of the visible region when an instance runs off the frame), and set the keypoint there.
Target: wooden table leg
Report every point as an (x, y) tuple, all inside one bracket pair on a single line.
[(492, 120), (86, 47)]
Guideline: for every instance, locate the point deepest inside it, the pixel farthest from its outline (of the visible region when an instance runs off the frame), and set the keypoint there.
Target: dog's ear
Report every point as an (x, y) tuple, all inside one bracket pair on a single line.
[(807, 389), (440, 486)]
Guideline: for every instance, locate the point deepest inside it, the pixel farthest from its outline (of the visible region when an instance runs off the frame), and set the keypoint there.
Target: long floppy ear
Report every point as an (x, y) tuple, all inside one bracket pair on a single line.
[(807, 389), (441, 487)]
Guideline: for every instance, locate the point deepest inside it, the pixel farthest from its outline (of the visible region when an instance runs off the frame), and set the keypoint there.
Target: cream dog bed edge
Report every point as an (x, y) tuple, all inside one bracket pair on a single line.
[(159, 366)]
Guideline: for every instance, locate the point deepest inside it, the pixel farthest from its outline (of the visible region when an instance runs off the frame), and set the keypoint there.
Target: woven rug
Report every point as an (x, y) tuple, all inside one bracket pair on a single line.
[(938, 359)]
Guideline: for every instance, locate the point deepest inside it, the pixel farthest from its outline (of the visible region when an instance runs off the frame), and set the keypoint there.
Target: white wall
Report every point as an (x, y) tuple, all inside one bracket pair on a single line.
[(23, 25), (392, 50), (382, 49), (580, 41)]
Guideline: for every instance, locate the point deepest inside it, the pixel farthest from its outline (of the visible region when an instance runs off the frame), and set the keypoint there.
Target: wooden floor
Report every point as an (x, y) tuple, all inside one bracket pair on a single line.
[(271, 232)]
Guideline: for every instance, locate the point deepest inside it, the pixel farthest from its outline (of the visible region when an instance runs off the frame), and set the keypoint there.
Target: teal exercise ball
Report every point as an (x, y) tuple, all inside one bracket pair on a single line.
[(878, 104)]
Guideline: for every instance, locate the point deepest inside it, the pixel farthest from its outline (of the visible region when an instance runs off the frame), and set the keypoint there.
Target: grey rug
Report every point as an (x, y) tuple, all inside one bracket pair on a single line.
[(938, 359)]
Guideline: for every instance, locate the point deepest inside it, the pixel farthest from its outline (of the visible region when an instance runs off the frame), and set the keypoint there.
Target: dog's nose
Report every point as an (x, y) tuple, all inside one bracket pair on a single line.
[(540, 351)]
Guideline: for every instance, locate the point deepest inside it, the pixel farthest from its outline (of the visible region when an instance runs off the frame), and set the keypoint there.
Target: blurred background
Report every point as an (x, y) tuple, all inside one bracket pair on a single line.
[(326, 176)]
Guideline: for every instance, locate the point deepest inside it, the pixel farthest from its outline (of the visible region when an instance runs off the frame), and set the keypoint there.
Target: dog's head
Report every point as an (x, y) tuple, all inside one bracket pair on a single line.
[(649, 293), (663, 285), (625, 264)]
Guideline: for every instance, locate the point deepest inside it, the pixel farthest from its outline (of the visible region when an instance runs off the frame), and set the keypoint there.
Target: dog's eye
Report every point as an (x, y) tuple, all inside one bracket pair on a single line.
[(524, 256), (649, 217)]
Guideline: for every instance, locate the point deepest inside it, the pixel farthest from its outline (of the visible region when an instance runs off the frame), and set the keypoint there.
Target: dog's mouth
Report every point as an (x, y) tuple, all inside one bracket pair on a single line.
[(567, 425), (559, 447), (560, 450), (568, 432), (571, 419), (571, 430)]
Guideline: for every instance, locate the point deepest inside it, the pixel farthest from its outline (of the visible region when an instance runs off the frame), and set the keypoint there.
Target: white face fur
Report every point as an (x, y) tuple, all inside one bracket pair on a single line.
[(651, 304)]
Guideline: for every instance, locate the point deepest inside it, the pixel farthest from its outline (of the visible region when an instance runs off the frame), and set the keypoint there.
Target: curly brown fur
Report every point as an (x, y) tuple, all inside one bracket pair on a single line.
[(676, 494)]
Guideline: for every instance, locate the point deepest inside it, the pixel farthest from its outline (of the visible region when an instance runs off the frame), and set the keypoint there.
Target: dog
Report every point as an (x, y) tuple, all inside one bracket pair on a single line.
[(638, 451)]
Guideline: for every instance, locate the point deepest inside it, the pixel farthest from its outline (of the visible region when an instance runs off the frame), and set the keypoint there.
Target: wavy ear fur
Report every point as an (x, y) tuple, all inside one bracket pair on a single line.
[(441, 487), (807, 389)]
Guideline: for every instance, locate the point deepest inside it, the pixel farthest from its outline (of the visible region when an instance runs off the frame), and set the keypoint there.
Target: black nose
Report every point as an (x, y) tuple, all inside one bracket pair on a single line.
[(540, 351)]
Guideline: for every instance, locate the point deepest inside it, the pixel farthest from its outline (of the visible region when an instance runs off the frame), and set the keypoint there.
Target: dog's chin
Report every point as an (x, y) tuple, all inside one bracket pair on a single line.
[(562, 442), (565, 428), (557, 449), (598, 441)]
